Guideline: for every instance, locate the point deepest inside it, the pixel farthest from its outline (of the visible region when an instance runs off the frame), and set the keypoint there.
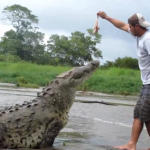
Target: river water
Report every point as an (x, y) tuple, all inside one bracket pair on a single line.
[(91, 126)]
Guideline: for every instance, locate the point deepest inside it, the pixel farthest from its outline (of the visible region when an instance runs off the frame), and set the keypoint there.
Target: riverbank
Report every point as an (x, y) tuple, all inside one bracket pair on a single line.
[(117, 81), (13, 87)]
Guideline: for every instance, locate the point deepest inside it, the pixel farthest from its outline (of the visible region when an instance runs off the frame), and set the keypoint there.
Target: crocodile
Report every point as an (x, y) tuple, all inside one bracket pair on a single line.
[(37, 122)]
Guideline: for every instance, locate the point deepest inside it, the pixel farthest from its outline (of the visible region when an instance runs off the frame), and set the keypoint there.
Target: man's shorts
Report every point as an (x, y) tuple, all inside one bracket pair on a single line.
[(142, 108)]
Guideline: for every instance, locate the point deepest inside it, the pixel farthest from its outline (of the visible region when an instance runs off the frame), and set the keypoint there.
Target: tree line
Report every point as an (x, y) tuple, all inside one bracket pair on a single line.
[(26, 43), (125, 62)]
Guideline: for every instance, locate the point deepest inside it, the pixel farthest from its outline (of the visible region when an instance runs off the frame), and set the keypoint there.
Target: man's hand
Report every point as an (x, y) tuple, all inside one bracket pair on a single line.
[(102, 14)]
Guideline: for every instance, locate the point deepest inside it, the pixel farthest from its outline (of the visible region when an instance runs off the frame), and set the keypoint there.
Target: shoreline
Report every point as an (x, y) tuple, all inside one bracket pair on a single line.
[(5, 86)]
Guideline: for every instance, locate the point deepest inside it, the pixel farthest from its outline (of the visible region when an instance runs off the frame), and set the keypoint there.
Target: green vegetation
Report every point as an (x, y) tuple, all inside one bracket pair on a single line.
[(115, 81), (29, 62), (112, 80), (26, 43), (28, 74), (126, 62)]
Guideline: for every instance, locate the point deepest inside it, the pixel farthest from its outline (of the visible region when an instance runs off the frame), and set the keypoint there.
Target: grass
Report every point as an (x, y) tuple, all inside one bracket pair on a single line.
[(28, 75), (112, 81)]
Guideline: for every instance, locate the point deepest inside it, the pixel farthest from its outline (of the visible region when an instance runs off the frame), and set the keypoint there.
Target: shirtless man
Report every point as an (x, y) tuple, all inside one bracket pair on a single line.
[(137, 27)]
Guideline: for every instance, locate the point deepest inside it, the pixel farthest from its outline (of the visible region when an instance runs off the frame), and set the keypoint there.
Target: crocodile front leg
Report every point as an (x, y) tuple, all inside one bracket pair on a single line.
[(52, 131)]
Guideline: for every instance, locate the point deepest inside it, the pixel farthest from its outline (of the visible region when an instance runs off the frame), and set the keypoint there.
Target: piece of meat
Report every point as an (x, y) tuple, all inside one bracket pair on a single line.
[(96, 28)]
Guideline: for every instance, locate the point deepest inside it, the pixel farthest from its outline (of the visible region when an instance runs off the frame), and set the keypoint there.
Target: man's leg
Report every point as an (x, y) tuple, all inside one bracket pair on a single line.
[(142, 111), (136, 131), (137, 125)]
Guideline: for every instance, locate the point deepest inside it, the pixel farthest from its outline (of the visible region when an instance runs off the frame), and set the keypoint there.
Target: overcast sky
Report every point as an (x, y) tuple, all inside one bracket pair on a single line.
[(65, 16)]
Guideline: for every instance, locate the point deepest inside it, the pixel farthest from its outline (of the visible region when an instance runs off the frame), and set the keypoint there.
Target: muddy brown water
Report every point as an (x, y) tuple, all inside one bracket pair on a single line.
[(90, 126)]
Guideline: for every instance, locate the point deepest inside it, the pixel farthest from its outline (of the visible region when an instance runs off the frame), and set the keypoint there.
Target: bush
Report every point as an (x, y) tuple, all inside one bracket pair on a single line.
[(9, 58), (126, 62)]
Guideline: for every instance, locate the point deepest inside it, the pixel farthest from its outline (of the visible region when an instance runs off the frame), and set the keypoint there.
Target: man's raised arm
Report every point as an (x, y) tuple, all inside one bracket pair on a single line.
[(117, 23)]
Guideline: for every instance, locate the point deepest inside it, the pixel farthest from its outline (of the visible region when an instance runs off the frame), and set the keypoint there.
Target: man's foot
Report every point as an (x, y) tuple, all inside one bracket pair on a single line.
[(129, 146)]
